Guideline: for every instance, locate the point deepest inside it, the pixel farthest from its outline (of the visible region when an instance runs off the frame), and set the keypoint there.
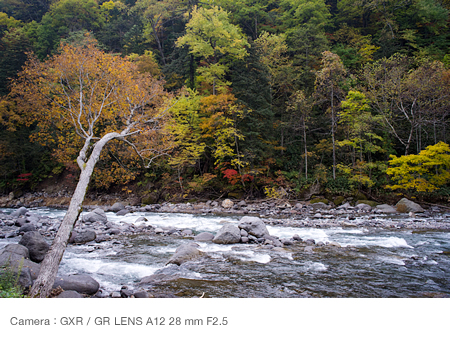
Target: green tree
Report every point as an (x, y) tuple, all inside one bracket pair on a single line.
[(211, 36), (329, 92)]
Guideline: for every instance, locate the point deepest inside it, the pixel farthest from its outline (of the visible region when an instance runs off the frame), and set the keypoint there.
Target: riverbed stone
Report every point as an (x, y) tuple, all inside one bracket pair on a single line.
[(17, 249), (83, 284), (98, 215), (117, 207), (19, 212), (27, 227), (406, 206), (78, 237), (386, 209), (253, 226), (36, 245), (17, 264), (69, 294), (228, 234), (184, 253), (204, 237), (227, 204)]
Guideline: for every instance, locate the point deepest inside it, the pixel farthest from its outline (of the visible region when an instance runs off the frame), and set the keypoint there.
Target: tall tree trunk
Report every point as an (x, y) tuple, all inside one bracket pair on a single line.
[(306, 149), (49, 267), (333, 131)]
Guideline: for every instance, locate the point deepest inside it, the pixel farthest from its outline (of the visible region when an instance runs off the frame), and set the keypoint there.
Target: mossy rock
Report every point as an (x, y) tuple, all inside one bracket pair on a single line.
[(339, 200), (149, 199), (318, 200), (373, 204), (359, 196)]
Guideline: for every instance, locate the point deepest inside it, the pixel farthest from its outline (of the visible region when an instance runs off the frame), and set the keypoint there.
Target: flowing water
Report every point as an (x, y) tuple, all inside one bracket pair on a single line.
[(371, 262)]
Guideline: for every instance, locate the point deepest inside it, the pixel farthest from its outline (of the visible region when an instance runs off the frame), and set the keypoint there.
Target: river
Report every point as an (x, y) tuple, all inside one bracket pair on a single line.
[(370, 262)]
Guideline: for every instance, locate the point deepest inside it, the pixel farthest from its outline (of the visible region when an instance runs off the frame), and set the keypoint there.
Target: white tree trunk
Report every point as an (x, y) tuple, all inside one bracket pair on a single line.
[(49, 267)]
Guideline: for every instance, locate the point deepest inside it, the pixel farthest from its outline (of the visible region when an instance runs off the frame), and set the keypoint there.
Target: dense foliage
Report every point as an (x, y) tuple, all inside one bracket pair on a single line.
[(274, 98)]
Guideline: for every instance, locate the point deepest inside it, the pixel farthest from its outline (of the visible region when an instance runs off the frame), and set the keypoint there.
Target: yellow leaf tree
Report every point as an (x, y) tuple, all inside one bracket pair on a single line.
[(424, 172), (84, 98)]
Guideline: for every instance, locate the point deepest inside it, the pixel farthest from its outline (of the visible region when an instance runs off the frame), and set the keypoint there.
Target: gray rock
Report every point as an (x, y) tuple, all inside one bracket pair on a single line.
[(274, 241), (344, 206), (244, 233), (69, 294), (296, 238), (122, 212), (363, 207), (228, 234), (16, 264), (187, 233), (17, 249), (125, 293), (320, 205), (27, 227), (254, 226), (184, 253), (285, 241), (244, 240), (117, 207), (242, 204), (82, 237), (204, 237), (141, 294), (405, 205), (98, 215), (83, 284), (141, 219), (386, 209), (19, 212), (20, 222), (116, 294), (36, 245)]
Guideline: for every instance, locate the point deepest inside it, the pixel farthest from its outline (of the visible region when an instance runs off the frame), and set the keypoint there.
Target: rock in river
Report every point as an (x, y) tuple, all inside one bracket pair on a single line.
[(36, 245), (254, 226), (184, 253), (228, 234), (79, 283), (98, 215)]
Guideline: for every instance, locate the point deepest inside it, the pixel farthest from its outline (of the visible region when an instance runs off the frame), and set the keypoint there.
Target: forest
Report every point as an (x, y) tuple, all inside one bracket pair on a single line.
[(265, 99)]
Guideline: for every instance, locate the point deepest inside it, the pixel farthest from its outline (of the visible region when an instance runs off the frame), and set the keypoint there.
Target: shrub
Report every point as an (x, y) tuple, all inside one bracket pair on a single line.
[(9, 287)]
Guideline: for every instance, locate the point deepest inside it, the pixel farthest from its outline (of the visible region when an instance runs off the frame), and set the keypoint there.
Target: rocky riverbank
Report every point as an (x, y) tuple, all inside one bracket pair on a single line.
[(32, 234)]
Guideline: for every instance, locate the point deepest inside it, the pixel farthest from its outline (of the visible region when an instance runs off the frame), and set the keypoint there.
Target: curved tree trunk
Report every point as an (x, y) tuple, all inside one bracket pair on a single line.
[(49, 267)]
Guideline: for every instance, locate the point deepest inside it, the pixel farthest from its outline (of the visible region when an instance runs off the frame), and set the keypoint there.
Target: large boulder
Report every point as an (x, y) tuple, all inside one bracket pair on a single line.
[(18, 265), (36, 245), (184, 253), (228, 234), (83, 284), (82, 237), (406, 206), (98, 215), (17, 256), (254, 226), (17, 249)]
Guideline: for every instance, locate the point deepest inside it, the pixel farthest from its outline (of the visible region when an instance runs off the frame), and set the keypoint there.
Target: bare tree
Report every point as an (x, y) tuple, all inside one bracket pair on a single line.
[(92, 97)]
